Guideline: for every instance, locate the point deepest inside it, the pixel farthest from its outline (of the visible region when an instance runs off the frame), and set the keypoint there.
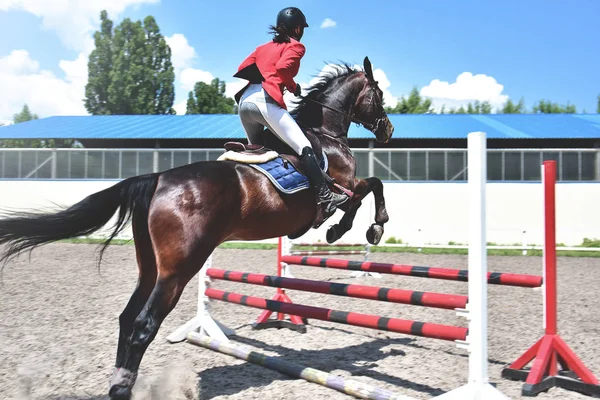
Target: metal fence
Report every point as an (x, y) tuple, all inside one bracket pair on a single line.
[(390, 165)]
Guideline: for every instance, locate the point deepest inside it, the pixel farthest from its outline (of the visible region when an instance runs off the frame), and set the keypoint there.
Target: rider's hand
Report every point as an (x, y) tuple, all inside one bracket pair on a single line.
[(298, 91)]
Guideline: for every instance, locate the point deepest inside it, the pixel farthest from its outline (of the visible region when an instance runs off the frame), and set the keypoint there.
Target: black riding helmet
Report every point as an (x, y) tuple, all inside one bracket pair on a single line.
[(290, 18)]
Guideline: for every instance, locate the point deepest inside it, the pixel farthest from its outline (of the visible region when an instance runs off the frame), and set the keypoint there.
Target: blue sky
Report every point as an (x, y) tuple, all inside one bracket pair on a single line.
[(454, 52)]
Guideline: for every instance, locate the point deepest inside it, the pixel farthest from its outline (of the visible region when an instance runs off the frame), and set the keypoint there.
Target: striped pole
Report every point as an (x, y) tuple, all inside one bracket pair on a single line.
[(495, 278), (328, 252), (329, 244), (347, 386), (425, 299), (407, 327)]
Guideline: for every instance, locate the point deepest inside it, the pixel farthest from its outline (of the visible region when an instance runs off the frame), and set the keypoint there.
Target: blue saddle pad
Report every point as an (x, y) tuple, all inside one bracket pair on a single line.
[(285, 176)]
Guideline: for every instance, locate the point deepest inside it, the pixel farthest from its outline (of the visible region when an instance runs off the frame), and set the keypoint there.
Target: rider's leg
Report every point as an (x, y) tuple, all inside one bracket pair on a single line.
[(252, 119), (258, 109), (252, 125), (285, 127)]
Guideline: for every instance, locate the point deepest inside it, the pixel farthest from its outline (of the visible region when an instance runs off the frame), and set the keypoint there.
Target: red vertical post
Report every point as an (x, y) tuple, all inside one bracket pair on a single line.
[(549, 178), (551, 349), (280, 316), (263, 321)]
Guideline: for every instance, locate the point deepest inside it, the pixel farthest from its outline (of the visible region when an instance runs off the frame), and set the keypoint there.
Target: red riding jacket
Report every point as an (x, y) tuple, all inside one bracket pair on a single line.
[(277, 64)]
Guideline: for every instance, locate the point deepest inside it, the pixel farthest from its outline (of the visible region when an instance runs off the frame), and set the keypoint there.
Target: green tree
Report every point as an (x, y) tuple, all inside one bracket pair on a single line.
[(99, 67), (413, 104), (598, 105), (209, 99), (130, 70), (24, 116), (547, 107), (511, 108)]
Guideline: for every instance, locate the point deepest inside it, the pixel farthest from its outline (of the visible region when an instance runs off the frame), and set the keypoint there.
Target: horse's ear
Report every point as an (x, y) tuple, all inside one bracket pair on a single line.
[(368, 68)]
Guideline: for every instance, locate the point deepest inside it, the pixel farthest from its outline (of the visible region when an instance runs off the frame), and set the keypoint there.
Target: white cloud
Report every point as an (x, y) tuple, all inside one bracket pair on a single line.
[(182, 54), (384, 84), (190, 76), (231, 88), (18, 62), (76, 72), (467, 88), (181, 107), (73, 20), (328, 23), (22, 81)]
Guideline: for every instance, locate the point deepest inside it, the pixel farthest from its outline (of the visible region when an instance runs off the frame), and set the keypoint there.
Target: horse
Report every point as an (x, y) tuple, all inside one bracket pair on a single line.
[(179, 216)]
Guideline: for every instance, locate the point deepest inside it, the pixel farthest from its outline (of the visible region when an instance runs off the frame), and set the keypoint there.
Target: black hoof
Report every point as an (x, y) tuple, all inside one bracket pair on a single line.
[(119, 393), (333, 234), (374, 234)]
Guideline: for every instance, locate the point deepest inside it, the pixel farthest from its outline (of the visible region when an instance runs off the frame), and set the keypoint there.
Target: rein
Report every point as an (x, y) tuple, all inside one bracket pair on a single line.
[(373, 127)]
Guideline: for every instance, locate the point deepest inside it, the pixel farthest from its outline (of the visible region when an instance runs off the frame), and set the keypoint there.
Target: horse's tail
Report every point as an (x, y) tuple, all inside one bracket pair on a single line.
[(132, 196)]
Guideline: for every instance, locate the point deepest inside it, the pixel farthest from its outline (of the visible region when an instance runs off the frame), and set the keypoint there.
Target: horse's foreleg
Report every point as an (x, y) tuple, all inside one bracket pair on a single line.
[(335, 232), (375, 231), (338, 230), (362, 188)]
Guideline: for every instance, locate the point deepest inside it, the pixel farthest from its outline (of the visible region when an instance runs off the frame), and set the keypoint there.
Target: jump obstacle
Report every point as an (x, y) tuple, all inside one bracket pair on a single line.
[(550, 349), (334, 249)]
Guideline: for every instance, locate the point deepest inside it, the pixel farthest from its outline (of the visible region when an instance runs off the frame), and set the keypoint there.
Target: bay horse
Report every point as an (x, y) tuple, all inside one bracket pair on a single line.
[(181, 215)]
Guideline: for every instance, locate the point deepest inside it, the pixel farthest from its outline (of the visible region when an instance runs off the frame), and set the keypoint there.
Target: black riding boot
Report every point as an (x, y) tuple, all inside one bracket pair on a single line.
[(315, 176)]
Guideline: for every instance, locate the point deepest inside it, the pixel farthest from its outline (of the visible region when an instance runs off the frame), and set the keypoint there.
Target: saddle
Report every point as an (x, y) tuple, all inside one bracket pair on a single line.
[(247, 153), (259, 155)]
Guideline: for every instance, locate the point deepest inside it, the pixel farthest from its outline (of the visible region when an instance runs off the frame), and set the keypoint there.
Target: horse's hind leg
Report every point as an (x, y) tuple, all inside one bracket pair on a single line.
[(178, 260), (146, 280)]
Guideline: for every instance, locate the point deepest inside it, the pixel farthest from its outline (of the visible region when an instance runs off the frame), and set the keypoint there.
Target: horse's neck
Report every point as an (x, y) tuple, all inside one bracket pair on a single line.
[(337, 111)]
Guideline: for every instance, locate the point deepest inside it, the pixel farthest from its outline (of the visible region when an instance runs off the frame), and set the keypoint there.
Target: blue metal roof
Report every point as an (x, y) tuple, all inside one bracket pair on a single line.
[(418, 126)]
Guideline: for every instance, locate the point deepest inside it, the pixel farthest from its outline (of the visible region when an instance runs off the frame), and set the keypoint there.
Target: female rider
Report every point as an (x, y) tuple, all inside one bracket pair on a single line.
[(269, 69)]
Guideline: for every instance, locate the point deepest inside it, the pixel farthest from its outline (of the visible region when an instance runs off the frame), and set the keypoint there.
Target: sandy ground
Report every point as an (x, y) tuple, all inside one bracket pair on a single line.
[(59, 326)]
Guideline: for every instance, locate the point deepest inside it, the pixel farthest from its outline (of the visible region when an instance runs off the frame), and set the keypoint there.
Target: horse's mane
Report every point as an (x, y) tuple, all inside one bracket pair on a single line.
[(317, 90)]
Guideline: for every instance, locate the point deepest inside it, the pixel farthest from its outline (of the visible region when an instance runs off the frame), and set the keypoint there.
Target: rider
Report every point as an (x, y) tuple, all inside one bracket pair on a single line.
[(269, 69)]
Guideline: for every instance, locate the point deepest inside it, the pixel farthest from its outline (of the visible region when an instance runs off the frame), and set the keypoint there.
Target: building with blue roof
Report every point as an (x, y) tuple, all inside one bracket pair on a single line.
[(411, 130)]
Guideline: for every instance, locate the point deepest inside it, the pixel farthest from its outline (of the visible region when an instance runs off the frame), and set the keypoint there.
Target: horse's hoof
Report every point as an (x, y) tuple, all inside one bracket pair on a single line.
[(332, 234), (121, 384), (374, 234), (119, 393)]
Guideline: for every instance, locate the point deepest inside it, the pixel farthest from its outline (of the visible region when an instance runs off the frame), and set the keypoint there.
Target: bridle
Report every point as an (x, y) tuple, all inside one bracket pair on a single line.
[(373, 127)]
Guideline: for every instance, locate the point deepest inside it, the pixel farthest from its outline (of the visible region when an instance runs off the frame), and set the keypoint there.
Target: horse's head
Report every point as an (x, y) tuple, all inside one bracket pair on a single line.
[(341, 97), (368, 109)]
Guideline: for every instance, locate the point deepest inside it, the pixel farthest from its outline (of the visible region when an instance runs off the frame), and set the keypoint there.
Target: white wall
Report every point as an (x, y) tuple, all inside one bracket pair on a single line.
[(438, 210)]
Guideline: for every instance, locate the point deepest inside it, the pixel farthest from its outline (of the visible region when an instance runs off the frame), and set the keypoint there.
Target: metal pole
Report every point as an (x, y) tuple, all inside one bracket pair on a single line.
[(371, 161), (54, 160), (155, 157), (477, 159)]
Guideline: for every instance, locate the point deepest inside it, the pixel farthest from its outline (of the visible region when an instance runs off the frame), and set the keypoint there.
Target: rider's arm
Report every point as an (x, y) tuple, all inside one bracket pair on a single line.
[(288, 65)]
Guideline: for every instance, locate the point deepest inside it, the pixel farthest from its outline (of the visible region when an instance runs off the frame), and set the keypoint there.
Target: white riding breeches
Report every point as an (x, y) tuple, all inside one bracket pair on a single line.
[(258, 110)]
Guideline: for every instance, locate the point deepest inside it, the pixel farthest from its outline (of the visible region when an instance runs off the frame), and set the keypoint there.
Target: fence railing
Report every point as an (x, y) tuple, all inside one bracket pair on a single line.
[(574, 165)]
